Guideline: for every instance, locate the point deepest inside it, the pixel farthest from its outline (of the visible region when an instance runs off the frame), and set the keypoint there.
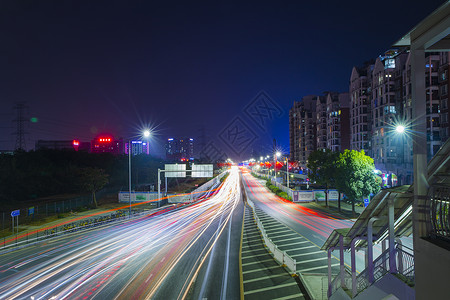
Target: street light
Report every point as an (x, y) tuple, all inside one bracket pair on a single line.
[(146, 134), (400, 129), (277, 154)]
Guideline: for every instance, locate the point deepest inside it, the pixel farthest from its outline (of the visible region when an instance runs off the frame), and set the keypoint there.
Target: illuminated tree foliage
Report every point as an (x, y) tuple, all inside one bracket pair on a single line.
[(354, 175)]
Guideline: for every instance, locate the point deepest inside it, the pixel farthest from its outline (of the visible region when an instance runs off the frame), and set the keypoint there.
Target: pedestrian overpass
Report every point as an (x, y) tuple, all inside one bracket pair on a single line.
[(387, 218)]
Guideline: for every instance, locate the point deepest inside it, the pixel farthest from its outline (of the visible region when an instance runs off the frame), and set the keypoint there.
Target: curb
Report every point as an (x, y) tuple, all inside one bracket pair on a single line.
[(307, 288)]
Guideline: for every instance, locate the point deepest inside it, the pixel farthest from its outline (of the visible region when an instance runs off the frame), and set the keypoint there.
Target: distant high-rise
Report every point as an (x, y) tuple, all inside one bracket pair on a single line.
[(180, 149), (107, 144), (138, 147)]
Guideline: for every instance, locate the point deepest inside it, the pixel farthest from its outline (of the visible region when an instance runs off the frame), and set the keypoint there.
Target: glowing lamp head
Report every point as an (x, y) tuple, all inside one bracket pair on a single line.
[(146, 133), (400, 129), (278, 154)]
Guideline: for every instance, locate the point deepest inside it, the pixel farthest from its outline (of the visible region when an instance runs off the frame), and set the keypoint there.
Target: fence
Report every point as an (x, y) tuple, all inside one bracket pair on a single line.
[(281, 256)]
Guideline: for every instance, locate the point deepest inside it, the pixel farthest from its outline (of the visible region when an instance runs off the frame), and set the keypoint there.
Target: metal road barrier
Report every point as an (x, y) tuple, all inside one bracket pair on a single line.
[(84, 224), (281, 256)]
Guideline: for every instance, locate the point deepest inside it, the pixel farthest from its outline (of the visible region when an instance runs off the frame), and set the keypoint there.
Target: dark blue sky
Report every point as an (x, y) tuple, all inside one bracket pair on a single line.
[(86, 67)]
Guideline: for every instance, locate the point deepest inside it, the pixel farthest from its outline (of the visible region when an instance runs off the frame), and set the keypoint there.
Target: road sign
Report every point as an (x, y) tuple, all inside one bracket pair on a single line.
[(366, 202), (31, 211), (204, 171), (172, 168), (15, 213)]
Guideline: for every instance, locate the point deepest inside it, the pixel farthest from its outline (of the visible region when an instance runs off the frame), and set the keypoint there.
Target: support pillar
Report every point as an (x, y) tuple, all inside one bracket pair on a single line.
[(370, 248), (329, 271), (391, 238), (353, 259), (341, 260)]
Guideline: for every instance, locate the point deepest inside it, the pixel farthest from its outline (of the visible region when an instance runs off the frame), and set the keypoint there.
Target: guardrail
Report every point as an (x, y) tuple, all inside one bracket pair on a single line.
[(281, 256), (85, 224)]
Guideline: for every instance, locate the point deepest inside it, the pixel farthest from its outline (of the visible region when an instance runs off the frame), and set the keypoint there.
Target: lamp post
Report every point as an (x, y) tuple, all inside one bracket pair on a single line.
[(277, 154), (146, 134), (287, 172)]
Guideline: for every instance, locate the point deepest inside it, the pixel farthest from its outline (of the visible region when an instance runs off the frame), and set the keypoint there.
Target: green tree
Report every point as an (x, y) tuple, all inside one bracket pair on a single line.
[(91, 180), (354, 175), (321, 164)]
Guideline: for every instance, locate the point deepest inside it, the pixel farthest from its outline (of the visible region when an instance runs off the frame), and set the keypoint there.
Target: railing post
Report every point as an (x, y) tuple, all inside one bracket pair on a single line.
[(341, 259)]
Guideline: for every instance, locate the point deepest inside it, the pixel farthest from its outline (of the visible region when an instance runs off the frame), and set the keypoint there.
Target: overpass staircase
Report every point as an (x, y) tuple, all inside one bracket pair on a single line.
[(387, 218)]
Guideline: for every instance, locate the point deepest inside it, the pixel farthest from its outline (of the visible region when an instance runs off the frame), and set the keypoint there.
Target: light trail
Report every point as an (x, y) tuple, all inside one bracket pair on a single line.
[(132, 260)]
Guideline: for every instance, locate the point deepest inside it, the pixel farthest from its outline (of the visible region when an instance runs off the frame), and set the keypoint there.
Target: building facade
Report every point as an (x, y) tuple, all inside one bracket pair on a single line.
[(181, 149)]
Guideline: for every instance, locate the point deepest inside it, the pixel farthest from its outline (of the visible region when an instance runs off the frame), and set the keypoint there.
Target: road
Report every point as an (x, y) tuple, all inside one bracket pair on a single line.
[(313, 224), (191, 252)]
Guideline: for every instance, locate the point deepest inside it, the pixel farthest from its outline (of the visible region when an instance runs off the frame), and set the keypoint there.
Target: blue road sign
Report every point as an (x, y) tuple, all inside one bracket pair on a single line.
[(15, 213), (366, 202)]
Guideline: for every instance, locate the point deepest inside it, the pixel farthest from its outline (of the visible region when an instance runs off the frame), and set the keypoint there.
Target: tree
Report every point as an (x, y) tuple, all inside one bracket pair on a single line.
[(322, 168), (92, 180), (355, 176)]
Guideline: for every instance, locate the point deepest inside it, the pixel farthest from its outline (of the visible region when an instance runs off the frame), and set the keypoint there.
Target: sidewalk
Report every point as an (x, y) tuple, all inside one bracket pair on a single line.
[(346, 209)]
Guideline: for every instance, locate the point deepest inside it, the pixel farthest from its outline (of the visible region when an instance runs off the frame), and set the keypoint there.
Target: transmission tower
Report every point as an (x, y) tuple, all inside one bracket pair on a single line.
[(20, 121)]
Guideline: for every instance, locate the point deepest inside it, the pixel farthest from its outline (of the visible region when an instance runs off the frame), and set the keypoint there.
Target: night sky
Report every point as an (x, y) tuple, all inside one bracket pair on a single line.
[(87, 67)]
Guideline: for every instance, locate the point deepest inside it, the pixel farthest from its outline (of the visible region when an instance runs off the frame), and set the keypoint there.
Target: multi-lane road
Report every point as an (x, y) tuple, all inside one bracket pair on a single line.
[(184, 253), (190, 252)]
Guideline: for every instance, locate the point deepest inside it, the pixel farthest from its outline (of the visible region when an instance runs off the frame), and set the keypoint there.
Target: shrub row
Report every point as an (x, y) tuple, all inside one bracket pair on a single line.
[(277, 191)]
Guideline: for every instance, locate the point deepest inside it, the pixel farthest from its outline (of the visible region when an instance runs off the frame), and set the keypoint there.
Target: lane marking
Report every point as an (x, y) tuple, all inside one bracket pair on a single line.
[(309, 253), (316, 268), (311, 260), (296, 243), (271, 288), (256, 250), (296, 296), (266, 277), (289, 239), (257, 255), (261, 269), (257, 262)]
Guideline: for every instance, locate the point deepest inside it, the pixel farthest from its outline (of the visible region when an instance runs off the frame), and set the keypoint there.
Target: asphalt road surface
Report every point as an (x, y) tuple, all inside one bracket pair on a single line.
[(190, 253)]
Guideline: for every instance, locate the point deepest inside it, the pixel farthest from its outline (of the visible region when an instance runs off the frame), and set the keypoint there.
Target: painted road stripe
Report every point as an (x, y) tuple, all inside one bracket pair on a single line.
[(311, 260), (257, 262), (258, 255), (316, 268), (287, 234), (302, 242), (261, 269), (276, 225), (309, 253), (247, 251), (296, 296), (251, 235), (289, 239), (266, 277), (271, 288), (276, 231)]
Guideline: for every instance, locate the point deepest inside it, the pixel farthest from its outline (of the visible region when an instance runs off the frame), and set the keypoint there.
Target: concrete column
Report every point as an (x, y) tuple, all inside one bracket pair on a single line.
[(341, 259), (391, 238), (329, 271), (370, 248), (419, 128), (352, 254)]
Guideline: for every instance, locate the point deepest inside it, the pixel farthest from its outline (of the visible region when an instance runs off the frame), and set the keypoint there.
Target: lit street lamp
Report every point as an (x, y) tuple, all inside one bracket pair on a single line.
[(146, 134)]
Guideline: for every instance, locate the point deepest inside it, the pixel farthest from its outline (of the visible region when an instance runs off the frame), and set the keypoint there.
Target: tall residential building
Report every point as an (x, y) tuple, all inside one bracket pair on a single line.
[(180, 149), (302, 134), (321, 122), (294, 124), (338, 121), (360, 121)]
